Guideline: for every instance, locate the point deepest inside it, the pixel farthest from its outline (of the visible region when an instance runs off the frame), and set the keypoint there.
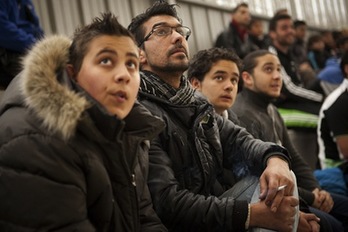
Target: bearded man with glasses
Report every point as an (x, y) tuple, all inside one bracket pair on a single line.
[(189, 189)]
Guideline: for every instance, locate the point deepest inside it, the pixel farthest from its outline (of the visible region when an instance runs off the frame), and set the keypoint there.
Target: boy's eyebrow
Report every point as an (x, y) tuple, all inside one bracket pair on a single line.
[(223, 72), (112, 51), (107, 50), (269, 63), (133, 54)]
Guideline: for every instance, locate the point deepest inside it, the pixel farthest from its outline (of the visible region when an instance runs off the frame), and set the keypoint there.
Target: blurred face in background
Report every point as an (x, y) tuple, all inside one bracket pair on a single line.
[(256, 28), (300, 32), (284, 33), (242, 16)]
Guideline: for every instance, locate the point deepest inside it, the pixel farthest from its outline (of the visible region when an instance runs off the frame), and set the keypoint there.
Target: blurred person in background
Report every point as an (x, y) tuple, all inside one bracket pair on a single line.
[(19, 30)]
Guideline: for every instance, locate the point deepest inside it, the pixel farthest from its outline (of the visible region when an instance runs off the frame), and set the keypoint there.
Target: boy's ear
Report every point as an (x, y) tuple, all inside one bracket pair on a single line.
[(196, 84), (71, 71), (247, 79)]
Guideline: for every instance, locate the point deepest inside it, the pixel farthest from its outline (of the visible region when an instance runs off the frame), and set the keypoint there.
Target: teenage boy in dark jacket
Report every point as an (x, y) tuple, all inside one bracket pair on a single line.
[(187, 158), (73, 140), (262, 83), (215, 73)]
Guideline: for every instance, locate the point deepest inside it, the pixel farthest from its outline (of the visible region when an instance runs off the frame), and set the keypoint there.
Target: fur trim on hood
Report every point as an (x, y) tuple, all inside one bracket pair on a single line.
[(57, 105)]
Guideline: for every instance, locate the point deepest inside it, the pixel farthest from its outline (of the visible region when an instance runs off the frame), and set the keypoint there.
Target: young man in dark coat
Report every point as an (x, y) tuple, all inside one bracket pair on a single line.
[(215, 73), (187, 158), (262, 83), (73, 139)]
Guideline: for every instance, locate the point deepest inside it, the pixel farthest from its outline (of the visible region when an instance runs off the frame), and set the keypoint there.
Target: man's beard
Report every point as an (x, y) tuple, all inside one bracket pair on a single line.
[(170, 67), (285, 43)]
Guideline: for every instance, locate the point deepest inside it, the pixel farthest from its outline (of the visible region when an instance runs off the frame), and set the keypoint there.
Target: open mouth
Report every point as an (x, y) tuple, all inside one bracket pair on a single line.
[(120, 95), (226, 97)]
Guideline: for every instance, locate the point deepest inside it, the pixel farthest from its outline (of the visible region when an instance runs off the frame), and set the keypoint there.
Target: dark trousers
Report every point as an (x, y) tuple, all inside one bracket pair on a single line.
[(327, 222), (340, 209)]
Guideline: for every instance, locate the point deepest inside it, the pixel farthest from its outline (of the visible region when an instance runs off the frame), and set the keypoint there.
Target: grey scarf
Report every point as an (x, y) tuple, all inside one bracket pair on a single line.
[(150, 83)]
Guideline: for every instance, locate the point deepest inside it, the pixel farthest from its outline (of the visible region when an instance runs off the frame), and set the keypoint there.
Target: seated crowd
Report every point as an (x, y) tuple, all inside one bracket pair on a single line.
[(120, 129)]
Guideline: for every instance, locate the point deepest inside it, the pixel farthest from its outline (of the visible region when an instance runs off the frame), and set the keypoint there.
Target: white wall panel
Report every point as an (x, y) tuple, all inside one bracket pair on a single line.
[(201, 27), (91, 9), (216, 23), (185, 13), (65, 16), (139, 6), (122, 10), (41, 8)]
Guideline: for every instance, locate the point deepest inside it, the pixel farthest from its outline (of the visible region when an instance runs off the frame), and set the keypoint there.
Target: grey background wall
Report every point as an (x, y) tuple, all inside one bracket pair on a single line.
[(205, 18)]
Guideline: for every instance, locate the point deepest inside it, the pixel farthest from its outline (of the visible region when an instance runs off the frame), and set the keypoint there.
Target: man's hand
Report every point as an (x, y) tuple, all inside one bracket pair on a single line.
[(276, 174), (282, 220), (308, 223), (323, 200)]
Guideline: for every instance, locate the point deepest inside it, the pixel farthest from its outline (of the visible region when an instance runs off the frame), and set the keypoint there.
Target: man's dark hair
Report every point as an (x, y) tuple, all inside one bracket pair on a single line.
[(202, 61), (253, 21), (158, 8), (274, 21), (107, 24), (312, 40), (342, 41), (298, 23), (281, 11), (249, 61), (243, 4), (344, 62)]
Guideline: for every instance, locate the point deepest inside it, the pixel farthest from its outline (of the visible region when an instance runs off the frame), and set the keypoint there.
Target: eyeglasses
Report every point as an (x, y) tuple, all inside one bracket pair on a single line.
[(163, 30)]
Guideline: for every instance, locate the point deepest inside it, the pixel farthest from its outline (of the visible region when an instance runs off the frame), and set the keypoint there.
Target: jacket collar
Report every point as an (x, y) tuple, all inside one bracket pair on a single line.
[(259, 99)]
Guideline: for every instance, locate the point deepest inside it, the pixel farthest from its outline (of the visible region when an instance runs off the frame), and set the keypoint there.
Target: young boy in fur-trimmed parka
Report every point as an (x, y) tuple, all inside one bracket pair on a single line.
[(73, 139)]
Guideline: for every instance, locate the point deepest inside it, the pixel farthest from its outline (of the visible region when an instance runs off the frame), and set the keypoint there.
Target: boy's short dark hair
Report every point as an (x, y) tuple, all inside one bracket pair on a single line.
[(274, 21), (249, 61), (158, 8), (203, 61), (107, 24)]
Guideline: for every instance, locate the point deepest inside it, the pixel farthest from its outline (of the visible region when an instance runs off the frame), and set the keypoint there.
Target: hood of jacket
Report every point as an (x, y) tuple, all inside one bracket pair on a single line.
[(44, 87), (57, 106), (39, 89)]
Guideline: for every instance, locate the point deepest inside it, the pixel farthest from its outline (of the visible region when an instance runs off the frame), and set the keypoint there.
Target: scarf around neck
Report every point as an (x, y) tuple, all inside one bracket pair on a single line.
[(150, 83), (242, 32)]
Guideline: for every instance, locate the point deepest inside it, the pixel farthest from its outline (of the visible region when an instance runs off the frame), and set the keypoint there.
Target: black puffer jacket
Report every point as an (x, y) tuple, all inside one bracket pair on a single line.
[(186, 163), (64, 164)]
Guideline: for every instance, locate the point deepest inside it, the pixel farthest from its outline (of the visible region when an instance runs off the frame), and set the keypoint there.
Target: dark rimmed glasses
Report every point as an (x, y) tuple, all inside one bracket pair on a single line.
[(164, 30)]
